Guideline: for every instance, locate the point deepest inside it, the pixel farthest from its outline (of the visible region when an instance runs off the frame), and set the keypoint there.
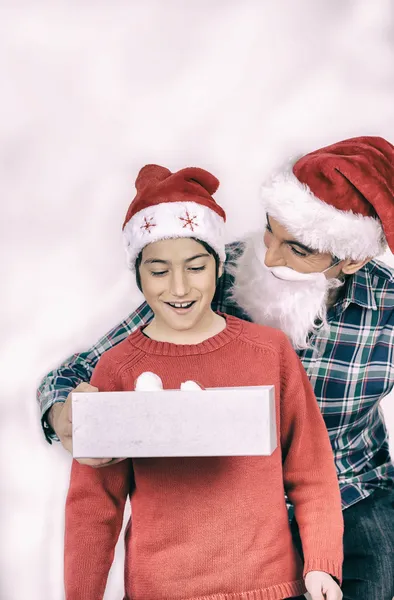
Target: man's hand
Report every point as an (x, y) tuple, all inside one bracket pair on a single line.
[(322, 586), (60, 419)]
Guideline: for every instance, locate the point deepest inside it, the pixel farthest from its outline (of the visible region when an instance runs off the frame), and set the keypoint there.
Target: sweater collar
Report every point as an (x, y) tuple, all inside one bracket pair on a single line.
[(230, 332)]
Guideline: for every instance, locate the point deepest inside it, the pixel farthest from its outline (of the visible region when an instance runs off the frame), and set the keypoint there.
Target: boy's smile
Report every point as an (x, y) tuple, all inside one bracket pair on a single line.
[(178, 280), (181, 308)]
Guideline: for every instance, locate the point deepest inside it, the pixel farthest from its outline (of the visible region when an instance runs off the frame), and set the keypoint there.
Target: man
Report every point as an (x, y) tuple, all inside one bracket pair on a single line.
[(312, 274)]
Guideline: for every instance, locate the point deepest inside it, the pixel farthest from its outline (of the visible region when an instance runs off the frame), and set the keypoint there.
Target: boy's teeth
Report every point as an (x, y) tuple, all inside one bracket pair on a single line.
[(180, 304)]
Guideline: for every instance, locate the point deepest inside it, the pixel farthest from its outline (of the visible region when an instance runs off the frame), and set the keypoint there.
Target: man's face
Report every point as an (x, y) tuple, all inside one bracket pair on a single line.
[(285, 251), (178, 280), (294, 306)]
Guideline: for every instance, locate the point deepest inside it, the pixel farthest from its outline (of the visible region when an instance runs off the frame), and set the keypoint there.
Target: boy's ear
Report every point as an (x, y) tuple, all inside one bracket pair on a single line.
[(350, 267)]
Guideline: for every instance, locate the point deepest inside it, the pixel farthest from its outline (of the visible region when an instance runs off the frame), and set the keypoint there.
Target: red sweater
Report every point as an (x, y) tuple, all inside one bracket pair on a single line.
[(212, 528)]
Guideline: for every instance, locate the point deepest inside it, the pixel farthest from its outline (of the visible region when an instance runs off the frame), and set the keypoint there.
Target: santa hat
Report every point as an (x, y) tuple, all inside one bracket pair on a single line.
[(339, 199), (173, 205)]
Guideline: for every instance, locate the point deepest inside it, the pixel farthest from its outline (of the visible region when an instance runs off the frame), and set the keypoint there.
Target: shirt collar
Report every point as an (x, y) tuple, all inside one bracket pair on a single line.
[(358, 291)]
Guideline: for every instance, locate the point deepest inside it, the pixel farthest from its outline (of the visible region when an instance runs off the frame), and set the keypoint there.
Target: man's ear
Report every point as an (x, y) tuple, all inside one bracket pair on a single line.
[(350, 267)]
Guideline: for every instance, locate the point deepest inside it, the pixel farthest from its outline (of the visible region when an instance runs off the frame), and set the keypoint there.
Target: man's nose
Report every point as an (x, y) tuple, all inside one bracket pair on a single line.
[(179, 283), (274, 256)]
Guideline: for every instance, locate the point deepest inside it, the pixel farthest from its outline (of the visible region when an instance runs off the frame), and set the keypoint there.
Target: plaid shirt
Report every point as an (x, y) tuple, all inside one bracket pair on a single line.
[(350, 366)]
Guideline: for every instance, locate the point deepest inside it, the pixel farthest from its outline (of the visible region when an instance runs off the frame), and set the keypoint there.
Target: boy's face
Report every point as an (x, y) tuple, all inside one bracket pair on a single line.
[(178, 280)]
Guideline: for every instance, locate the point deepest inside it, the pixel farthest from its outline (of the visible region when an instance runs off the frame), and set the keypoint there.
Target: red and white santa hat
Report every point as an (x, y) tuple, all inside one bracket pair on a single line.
[(339, 199), (173, 205)]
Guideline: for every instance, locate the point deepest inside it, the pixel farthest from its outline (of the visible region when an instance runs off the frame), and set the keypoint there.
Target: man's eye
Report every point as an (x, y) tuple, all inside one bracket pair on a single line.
[(158, 273), (298, 252), (197, 268)]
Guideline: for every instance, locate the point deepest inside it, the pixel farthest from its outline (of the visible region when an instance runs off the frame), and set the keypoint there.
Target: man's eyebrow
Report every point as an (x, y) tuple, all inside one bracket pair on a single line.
[(294, 242)]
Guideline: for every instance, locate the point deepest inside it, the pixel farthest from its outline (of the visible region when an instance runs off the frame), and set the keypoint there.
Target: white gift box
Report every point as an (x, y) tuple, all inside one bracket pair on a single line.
[(213, 422)]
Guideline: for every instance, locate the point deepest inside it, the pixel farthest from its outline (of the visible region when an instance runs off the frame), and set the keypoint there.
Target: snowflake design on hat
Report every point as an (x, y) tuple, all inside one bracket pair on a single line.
[(147, 225), (188, 220)]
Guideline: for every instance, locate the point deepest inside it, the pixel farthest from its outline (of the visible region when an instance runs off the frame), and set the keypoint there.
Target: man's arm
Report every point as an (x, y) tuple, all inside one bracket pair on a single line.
[(56, 386), (59, 383), (75, 372)]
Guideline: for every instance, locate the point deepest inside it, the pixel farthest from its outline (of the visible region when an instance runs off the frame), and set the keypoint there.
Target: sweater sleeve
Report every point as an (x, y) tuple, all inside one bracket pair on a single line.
[(94, 515), (310, 477)]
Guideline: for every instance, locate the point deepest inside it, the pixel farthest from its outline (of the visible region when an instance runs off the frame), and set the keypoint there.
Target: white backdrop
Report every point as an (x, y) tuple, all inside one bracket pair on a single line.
[(91, 91)]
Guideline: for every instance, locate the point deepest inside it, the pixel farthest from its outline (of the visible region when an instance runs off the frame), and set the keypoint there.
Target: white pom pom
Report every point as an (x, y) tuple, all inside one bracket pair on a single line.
[(148, 382), (190, 386)]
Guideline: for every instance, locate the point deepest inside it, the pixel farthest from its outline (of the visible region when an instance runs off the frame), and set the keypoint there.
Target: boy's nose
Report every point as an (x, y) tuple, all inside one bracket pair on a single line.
[(179, 284)]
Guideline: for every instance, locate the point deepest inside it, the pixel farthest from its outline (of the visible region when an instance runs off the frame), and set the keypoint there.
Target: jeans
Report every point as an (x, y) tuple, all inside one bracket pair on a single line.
[(368, 568)]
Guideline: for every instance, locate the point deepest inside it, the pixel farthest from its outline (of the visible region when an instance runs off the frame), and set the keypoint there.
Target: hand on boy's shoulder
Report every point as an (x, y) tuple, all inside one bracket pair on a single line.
[(60, 419)]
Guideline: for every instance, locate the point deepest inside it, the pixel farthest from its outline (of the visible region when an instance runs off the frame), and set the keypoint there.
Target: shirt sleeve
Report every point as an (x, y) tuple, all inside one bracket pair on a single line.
[(94, 515), (57, 384), (310, 476), (387, 342)]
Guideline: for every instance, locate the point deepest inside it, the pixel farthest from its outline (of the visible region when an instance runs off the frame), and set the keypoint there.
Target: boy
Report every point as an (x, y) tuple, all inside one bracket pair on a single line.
[(204, 528)]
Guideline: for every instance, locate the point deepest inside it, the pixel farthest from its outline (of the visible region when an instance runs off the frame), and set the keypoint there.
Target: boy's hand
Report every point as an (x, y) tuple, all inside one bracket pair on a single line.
[(191, 386), (322, 586), (60, 419)]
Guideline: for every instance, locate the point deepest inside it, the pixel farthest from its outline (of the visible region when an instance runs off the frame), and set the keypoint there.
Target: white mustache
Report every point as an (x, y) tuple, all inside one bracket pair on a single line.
[(280, 297)]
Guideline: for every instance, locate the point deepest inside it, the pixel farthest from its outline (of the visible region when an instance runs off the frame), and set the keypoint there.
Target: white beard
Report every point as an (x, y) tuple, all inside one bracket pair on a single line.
[(296, 307)]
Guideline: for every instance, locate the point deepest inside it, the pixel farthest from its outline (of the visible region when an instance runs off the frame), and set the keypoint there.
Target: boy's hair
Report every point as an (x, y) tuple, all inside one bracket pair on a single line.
[(207, 247)]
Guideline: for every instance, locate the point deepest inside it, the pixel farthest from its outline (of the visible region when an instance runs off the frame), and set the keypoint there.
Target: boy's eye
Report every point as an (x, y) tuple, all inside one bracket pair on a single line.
[(158, 273), (197, 268)]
